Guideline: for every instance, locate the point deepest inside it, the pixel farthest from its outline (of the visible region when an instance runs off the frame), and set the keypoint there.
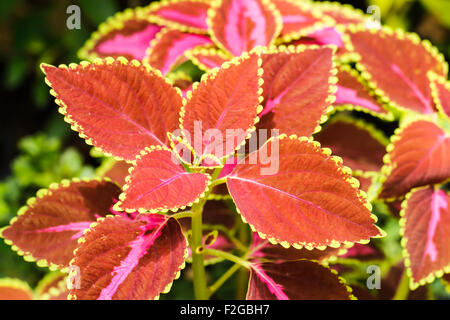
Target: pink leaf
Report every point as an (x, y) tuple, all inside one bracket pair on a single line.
[(353, 93), (125, 259), (240, 25), (299, 19), (183, 15), (426, 234), (206, 58), (126, 34), (168, 49)]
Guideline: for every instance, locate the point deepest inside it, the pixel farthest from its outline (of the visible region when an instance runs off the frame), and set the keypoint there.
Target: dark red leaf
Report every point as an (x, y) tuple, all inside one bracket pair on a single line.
[(296, 280), (358, 143)]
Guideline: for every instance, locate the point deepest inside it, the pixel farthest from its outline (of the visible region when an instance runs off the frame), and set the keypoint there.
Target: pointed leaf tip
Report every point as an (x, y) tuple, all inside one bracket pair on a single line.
[(49, 227)]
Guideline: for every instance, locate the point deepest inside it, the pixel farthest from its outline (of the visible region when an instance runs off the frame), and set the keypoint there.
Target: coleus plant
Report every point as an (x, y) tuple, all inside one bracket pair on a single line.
[(275, 71)]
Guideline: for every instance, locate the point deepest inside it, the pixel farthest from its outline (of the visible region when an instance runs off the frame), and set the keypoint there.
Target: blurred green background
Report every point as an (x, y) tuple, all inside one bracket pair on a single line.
[(37, 147)]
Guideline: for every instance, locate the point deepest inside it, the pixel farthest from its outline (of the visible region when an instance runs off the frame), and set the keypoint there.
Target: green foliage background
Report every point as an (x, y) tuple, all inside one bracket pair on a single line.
[(37, 147)]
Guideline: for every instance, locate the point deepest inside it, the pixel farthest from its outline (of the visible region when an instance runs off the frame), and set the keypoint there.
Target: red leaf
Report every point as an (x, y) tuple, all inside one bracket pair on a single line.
[(15, 289), (118, 106), (353, 93), (168, 48), (425, 226), (49, 227), (158, 184), (183, 15), (299, 19), (396, 64), (124, 259), (298, 89), (126, 34), (240, 25), (440, 89), (232, 97), (296, 280), (206, 58), (358, 143), (305, 198), (418, 156)]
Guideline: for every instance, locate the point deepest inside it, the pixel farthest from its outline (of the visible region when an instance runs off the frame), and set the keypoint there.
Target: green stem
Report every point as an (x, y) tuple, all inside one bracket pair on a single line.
[(403, 288), (196, 242), (198, 267), (228, 256), (217, 182), (184, 214), (228, 274), (242, 279)]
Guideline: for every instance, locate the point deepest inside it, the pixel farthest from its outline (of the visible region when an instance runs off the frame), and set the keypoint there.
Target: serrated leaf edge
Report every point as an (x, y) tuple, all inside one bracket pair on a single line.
[(267, 4), (122, 196), (154, 6), (113, 23), (41, 193), (211, 75), (401, 35), (100, 220), (413, 285), (99, 62), (361, 195)]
